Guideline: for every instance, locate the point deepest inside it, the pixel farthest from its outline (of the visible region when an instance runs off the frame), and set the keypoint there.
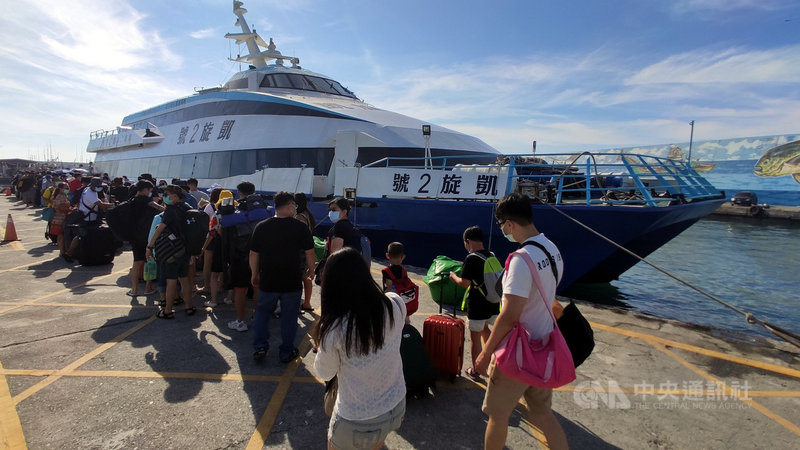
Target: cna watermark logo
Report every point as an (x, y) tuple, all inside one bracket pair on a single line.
[(693, 394), (593, 395)]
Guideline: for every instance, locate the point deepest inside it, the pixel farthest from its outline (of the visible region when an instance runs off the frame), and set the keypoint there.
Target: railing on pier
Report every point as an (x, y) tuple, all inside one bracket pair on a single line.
[(587, 178)]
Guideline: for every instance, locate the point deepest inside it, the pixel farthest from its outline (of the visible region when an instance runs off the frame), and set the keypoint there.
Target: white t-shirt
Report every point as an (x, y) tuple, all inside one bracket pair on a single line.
[(369, 385), (209, 210), (518, 280), (88, 199)]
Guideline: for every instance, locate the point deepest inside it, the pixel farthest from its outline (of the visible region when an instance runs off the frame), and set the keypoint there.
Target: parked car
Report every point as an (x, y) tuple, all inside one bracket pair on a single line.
[(744, 198)]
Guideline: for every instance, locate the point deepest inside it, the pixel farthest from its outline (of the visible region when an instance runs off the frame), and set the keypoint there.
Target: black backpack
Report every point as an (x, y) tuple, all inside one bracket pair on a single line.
[(195, 229), (121, 221)]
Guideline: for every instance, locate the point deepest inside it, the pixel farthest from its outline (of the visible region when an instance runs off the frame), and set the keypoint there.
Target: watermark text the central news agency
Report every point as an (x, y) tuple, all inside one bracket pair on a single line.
[(693, 394)]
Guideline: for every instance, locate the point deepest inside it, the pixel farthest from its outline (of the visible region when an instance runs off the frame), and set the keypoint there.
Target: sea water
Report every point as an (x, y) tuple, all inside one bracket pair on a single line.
[(749, 263)]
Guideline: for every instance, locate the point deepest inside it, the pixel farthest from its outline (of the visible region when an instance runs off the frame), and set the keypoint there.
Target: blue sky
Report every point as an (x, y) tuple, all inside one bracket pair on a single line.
[(572, 75)]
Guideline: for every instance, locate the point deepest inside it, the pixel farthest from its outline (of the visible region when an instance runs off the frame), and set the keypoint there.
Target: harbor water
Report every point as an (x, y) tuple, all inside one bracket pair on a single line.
[(749, 263)]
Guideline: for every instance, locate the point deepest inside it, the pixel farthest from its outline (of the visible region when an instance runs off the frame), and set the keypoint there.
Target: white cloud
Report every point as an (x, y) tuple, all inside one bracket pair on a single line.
[(729, 5), (731, 65), (202, 34)]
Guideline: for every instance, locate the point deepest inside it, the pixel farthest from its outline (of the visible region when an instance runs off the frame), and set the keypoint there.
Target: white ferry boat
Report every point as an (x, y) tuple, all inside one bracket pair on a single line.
[(283, 127)]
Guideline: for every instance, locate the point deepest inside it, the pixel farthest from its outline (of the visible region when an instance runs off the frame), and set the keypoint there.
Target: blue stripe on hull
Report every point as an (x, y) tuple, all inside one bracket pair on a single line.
[(429, 228)]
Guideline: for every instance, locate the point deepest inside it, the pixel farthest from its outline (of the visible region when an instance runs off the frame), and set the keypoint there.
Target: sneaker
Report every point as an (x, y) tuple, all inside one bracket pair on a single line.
[(210, 303), (238, 325)]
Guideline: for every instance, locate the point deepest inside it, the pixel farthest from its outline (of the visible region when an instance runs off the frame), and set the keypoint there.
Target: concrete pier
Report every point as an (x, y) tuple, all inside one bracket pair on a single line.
[(84, 366), (762, 211)]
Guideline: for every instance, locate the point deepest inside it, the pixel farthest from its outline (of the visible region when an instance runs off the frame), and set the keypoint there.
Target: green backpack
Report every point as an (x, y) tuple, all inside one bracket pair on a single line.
[(492, 286)]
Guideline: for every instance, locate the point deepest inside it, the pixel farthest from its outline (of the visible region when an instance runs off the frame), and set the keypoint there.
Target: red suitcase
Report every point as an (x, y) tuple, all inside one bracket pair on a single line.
[(443, 336)]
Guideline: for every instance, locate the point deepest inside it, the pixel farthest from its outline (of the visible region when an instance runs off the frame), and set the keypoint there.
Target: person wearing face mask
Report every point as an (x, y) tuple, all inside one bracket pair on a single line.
[(91, 205), (142, 212), (341, 233), (522, 303), (172, 222), (62, 207), (480, 312)]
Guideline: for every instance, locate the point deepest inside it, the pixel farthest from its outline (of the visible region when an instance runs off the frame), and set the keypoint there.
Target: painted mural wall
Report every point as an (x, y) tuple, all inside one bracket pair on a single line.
[(767, 165)]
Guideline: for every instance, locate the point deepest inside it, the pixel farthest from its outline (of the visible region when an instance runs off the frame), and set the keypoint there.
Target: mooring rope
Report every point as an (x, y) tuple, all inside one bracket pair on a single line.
[(782, 333)]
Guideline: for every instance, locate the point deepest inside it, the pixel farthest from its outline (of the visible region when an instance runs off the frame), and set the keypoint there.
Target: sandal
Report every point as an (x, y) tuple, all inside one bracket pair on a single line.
[(474, 375), (178, 301), (190, 310), (304, 309), (162, 303), (163, 314), (131, 294), (259, 355), (150, 292)]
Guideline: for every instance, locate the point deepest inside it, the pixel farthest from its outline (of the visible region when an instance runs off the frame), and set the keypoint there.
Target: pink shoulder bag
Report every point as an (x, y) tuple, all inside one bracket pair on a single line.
[(545, 363)]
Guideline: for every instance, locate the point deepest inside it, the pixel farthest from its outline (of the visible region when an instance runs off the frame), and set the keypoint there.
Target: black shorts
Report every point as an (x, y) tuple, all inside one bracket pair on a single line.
[(217, 262), (240, 275), (139, 250)]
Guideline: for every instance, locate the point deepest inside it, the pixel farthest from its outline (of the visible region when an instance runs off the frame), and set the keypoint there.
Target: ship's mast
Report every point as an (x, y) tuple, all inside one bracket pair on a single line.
[(256, 58)]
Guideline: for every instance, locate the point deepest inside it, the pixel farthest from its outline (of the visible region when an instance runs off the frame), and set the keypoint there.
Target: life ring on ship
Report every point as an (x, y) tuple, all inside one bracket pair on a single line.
[(755, 210)]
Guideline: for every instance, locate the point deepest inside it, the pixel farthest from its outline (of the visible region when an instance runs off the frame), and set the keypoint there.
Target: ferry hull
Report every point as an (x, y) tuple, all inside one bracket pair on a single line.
[(428, 228)]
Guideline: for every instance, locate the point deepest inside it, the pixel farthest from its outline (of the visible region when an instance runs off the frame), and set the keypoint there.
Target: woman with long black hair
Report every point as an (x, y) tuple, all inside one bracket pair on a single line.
[(358, 338)]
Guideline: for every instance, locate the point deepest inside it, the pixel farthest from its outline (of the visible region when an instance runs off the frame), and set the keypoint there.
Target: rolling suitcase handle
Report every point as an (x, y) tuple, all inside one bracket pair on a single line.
[(455, 293)]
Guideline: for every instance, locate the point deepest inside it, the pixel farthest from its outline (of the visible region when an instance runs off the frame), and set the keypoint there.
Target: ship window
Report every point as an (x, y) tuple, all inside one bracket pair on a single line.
[(187, 165), (153, 167), (280, 80), (322, 85), (243, 162), (220, 165), (300, 82), (174, 165), (306, 83), (202, 163), (341, 89)]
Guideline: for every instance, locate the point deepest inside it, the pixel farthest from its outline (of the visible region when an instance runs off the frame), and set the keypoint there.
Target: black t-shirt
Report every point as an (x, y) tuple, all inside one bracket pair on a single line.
[(174, 217), (142, 213), (478, 308), (281, 243), (344, 229)]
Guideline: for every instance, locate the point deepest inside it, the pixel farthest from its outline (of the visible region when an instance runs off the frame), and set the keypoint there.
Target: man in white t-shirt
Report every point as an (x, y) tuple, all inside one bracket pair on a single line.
[(522, 303)]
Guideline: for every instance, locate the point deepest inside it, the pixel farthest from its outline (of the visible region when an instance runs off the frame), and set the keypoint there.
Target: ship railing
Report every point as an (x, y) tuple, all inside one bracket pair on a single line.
[(588, 178)]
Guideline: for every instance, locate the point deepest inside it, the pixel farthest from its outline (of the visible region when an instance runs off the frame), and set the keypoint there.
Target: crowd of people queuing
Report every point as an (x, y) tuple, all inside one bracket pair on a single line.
[(357, 338)]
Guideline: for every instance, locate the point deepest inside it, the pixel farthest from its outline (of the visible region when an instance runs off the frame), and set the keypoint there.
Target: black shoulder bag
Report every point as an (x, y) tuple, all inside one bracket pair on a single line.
[(574, 327)]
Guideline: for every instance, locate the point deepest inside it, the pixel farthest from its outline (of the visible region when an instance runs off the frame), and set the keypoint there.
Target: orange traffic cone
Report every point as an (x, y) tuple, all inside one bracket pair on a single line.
[(11, 231), (8, 191)]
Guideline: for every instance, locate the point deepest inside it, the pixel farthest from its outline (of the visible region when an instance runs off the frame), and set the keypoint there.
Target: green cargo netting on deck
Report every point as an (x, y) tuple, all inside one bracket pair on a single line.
[(444, 290), (319, 248)]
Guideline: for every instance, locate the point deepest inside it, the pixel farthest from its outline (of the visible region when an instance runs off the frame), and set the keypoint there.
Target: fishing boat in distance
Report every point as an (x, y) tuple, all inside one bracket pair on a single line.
[(283, 127)]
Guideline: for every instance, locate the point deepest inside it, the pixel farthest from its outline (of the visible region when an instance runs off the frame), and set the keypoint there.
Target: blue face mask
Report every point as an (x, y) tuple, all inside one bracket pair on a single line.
[(168, 201), (334, 215)]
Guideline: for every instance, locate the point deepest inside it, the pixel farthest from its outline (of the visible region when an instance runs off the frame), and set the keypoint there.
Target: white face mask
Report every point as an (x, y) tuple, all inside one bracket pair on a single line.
[(509, 237), (334, 215)]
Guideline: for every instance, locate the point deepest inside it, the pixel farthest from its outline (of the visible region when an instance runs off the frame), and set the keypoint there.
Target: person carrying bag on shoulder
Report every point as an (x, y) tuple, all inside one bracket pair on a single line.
[(526, 322)]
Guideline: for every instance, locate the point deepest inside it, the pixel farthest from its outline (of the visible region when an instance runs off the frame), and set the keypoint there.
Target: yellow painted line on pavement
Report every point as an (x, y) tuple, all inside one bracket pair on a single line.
[(79, 362), (62, 291), (702, 351), (11, 435), (267, 421), (17, 268), (734, 393), (84, 305)]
